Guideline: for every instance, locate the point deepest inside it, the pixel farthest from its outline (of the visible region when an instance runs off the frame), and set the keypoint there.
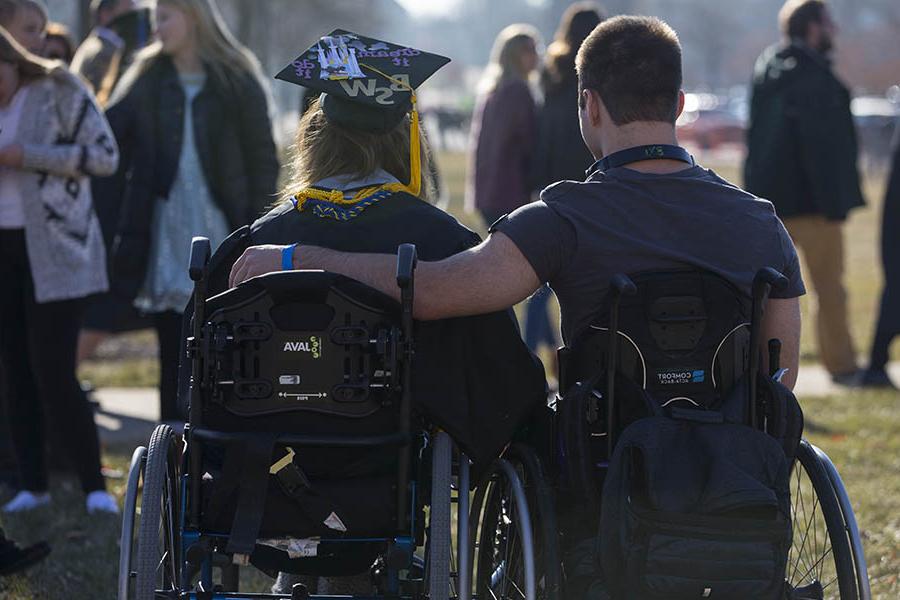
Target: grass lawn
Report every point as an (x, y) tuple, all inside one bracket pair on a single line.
[(858, 431)]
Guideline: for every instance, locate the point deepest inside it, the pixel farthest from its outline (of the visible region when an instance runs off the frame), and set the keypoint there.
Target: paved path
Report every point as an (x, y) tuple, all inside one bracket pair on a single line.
[(128, 415)]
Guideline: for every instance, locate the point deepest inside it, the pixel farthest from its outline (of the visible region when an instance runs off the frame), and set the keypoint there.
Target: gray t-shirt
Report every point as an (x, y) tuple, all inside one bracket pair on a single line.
[(580, 234)]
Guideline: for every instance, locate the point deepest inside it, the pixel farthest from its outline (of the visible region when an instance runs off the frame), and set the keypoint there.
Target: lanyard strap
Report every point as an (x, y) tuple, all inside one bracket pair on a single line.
[(638, 153)]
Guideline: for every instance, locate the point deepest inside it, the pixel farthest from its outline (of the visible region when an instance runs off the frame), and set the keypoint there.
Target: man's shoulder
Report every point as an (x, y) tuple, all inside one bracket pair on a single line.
[(563, 196)]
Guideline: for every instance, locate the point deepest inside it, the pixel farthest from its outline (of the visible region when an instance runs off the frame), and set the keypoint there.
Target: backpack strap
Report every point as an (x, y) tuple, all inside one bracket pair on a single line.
[(252, 492)]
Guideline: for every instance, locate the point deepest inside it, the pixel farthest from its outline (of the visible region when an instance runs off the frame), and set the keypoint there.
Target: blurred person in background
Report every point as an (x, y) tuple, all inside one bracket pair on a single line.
[(25, 21), (561, 154), (504, 127), (801, 155), (100, 54), (58, 43), (888, 326), (52, 137), (191, 118), (121, 31)]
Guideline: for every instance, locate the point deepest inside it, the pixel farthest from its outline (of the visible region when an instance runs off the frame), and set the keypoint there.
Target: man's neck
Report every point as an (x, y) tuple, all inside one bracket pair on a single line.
[(644, 133)]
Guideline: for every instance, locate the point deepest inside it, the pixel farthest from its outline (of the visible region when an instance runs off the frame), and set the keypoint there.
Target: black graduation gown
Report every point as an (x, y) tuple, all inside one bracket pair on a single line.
[(473, 377)]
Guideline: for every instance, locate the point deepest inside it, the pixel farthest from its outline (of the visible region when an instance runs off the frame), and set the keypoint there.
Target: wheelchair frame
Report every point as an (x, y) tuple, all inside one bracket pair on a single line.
[(840, 522)]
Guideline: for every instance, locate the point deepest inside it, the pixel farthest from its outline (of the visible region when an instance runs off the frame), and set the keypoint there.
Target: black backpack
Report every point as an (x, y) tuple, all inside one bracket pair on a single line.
[(696, 505)]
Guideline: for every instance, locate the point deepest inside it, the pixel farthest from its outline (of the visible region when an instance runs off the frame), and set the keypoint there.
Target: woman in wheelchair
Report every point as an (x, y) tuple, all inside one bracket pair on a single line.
[(359, 182)]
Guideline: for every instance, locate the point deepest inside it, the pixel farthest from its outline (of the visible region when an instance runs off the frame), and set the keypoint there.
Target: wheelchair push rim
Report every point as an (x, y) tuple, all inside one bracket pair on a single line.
[(820, 561), (506, 569), (157, 557), (130, 514)]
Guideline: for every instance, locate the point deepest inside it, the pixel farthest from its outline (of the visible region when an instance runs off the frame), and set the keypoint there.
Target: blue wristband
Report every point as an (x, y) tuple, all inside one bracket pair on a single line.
[(287, 257)]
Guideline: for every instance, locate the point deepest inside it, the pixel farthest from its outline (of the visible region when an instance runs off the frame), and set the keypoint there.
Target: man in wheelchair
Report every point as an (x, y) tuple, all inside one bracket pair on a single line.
[(694, 245)]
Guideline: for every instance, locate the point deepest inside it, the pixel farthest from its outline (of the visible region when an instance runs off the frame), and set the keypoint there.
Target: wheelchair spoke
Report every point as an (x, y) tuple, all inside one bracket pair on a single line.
[(809, 523), (816, 564)]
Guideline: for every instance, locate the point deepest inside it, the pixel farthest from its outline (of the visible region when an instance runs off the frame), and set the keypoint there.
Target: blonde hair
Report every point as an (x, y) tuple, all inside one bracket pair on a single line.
[(323, 149), (31, 66), (506, 55), (217, 47)]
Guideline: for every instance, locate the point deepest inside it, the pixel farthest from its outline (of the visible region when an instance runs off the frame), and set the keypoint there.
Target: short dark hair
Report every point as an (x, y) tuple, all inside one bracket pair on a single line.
[(796, 16), (634, 63)]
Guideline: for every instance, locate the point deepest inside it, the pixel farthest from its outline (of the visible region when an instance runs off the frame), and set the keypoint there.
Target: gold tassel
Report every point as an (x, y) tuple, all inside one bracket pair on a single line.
[(415, 166)]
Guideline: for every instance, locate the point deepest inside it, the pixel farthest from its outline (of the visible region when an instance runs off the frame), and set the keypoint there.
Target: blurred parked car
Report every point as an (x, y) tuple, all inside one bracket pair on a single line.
[(709, 121), (875, 118)]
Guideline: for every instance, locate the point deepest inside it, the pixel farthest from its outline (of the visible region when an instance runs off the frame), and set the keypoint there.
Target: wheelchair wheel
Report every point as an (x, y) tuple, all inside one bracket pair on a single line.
[(157, 560), (820, 563), (505, 564), (439, 530), (548, 569), (859, 559), (129, 516)]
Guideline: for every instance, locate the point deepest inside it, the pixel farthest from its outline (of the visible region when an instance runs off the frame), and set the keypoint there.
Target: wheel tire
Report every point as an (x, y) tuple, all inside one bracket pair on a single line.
[(129, 517), (160, 491), (856, 545), (439, 529), (834, 563), (543, 521)]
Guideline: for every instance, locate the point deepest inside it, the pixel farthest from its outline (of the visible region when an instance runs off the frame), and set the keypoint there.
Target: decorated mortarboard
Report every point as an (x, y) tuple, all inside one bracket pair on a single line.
[(367, 84)]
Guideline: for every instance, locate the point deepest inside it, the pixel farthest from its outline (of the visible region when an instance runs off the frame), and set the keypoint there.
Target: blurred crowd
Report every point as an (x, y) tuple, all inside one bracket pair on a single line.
[(115, 151)]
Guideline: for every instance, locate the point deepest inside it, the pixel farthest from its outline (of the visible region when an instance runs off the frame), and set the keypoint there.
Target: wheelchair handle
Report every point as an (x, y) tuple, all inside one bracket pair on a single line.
[(622, 285), (768, 278), (200, 253), (407, 259)]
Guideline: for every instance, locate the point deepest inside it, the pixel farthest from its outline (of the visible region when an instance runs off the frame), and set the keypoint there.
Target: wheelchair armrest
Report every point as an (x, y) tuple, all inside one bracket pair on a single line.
[(200, 253)]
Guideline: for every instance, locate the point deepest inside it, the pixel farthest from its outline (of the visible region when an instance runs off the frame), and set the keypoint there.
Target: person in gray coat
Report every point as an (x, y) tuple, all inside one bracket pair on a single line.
[(52, 138)]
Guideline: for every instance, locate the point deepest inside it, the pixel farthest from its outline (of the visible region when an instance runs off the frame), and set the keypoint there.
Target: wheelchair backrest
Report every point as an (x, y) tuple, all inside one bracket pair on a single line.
[(683, 338), (301, 342)]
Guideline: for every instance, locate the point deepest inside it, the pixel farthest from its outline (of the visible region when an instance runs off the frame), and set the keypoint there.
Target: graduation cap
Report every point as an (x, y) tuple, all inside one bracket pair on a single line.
[(366, 84)]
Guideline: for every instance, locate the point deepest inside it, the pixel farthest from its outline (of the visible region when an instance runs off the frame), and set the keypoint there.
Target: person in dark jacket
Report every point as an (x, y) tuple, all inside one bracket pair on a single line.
[(561, 154), (801, 156), (361, 183), (198, 156), (888, 326), (504, 127)]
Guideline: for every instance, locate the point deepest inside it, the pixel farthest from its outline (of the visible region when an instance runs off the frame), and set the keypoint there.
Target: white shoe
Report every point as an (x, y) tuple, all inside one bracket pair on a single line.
[(25, 501), (101, 501)]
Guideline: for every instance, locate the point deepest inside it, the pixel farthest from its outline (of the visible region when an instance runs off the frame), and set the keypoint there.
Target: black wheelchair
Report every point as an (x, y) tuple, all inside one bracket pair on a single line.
[(303, 454), (680, 343)]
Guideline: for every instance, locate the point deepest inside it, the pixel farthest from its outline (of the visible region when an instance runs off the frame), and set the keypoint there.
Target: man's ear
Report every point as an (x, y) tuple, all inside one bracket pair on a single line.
[(680, 108), (592, 107)]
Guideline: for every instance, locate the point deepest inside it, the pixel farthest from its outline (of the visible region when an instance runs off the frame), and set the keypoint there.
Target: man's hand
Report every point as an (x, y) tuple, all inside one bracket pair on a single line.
[(12, 156), (256, 260)]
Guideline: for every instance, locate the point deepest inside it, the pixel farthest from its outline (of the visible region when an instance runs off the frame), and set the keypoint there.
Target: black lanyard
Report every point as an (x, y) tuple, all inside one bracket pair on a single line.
[(638, 153)]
